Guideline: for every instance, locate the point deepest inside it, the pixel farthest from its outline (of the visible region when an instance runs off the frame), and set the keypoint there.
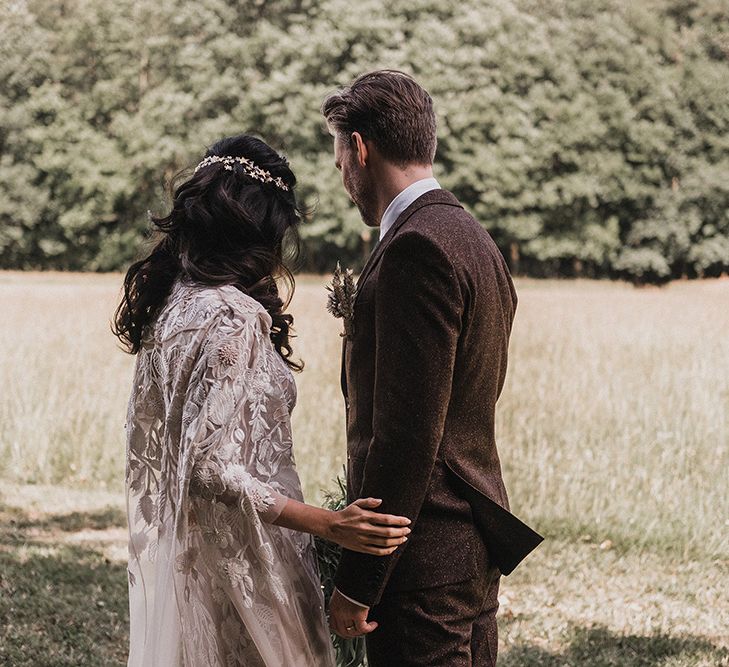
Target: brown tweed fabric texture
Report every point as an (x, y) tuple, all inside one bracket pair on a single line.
[(447, 626), (421, 375)]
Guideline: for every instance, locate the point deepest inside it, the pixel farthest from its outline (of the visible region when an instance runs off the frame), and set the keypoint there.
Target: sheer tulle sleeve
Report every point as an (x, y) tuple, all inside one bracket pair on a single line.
[(233, 418)]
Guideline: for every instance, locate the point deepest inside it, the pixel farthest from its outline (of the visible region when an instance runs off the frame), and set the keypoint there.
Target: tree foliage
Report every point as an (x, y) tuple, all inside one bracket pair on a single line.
[(589, 137)]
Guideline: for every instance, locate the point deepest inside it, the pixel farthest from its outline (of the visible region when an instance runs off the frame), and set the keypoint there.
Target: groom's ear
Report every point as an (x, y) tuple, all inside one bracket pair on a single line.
[(360, 148)]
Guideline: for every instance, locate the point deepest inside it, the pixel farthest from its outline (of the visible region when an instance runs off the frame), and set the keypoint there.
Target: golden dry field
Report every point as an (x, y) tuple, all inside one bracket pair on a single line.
[(613, 431)]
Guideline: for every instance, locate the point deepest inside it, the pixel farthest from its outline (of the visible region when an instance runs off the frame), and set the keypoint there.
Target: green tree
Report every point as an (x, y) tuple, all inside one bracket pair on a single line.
[(590, 138)]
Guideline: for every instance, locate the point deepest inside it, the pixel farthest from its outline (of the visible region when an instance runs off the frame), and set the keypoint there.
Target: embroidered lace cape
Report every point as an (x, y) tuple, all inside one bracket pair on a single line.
[(209, 466)]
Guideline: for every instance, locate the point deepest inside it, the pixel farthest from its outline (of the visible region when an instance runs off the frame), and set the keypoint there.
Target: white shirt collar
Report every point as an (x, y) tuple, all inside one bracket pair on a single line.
[(403, 200)]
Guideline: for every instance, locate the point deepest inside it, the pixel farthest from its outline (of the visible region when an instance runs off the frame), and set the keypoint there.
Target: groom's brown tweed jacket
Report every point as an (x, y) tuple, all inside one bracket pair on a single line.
[(421, 375)]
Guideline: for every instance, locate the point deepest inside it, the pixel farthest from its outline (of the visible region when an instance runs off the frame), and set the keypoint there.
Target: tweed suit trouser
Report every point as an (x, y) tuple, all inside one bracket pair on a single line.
[(445, 626)]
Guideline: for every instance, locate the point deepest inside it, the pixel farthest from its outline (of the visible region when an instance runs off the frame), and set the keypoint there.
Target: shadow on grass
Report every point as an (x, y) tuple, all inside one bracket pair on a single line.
[(15, 519), (64, 605), (60, 604), (599, 647)]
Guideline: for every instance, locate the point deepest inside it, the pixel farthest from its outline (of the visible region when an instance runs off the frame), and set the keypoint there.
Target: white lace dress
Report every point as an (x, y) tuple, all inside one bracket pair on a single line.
[(209, 465)]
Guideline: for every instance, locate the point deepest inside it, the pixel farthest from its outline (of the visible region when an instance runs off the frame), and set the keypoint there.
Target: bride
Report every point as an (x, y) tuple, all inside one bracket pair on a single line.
[(222, 568)]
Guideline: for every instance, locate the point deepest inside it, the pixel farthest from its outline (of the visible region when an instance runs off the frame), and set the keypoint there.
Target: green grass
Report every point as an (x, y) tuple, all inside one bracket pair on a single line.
[(613, 431), (63, 602), (598, 646), (63, 594)]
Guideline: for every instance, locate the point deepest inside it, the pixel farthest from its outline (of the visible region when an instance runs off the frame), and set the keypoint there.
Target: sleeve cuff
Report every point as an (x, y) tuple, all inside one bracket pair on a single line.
[(346, 597)]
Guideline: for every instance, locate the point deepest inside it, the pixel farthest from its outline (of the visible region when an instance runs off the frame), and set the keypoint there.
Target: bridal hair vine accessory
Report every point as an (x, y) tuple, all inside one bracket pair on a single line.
[(249, 167), (340, 302)]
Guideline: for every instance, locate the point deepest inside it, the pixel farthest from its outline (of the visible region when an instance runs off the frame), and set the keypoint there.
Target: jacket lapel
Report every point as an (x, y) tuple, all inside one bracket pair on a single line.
[(428, 199)]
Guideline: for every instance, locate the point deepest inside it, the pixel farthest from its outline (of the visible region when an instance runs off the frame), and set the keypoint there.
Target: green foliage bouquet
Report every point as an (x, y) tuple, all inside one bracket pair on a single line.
[(350, 651)]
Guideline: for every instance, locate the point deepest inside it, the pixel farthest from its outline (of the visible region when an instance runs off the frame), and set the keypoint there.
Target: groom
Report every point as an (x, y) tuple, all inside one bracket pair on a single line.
[(421, 374)]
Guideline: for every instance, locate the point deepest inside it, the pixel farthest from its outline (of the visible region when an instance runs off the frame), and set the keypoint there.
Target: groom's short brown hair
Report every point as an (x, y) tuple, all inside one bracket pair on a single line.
[(390, 109)]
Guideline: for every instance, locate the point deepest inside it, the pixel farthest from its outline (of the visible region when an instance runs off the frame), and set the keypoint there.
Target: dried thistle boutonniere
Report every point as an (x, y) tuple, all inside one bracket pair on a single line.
[(340, 302)]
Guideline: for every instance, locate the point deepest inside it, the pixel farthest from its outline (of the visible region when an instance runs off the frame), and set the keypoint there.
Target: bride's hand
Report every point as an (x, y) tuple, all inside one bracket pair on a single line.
[(357, 528)]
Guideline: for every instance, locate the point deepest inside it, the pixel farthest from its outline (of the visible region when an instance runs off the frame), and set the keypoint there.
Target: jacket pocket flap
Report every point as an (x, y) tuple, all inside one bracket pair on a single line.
[(508, 539)]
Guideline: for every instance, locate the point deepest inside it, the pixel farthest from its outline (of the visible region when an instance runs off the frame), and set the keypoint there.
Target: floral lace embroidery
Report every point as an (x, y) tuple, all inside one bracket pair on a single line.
[(209, 465)]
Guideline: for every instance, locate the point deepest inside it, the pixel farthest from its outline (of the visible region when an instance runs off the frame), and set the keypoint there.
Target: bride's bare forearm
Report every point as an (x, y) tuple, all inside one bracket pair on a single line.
[(305, 518)]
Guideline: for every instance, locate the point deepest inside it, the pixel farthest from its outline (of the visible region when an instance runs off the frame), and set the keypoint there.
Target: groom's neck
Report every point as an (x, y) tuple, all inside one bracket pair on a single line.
[(390, 180)]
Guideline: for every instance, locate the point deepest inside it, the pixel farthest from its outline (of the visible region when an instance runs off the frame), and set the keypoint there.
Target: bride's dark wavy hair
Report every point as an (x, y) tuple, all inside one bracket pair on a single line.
[(225, 228)]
